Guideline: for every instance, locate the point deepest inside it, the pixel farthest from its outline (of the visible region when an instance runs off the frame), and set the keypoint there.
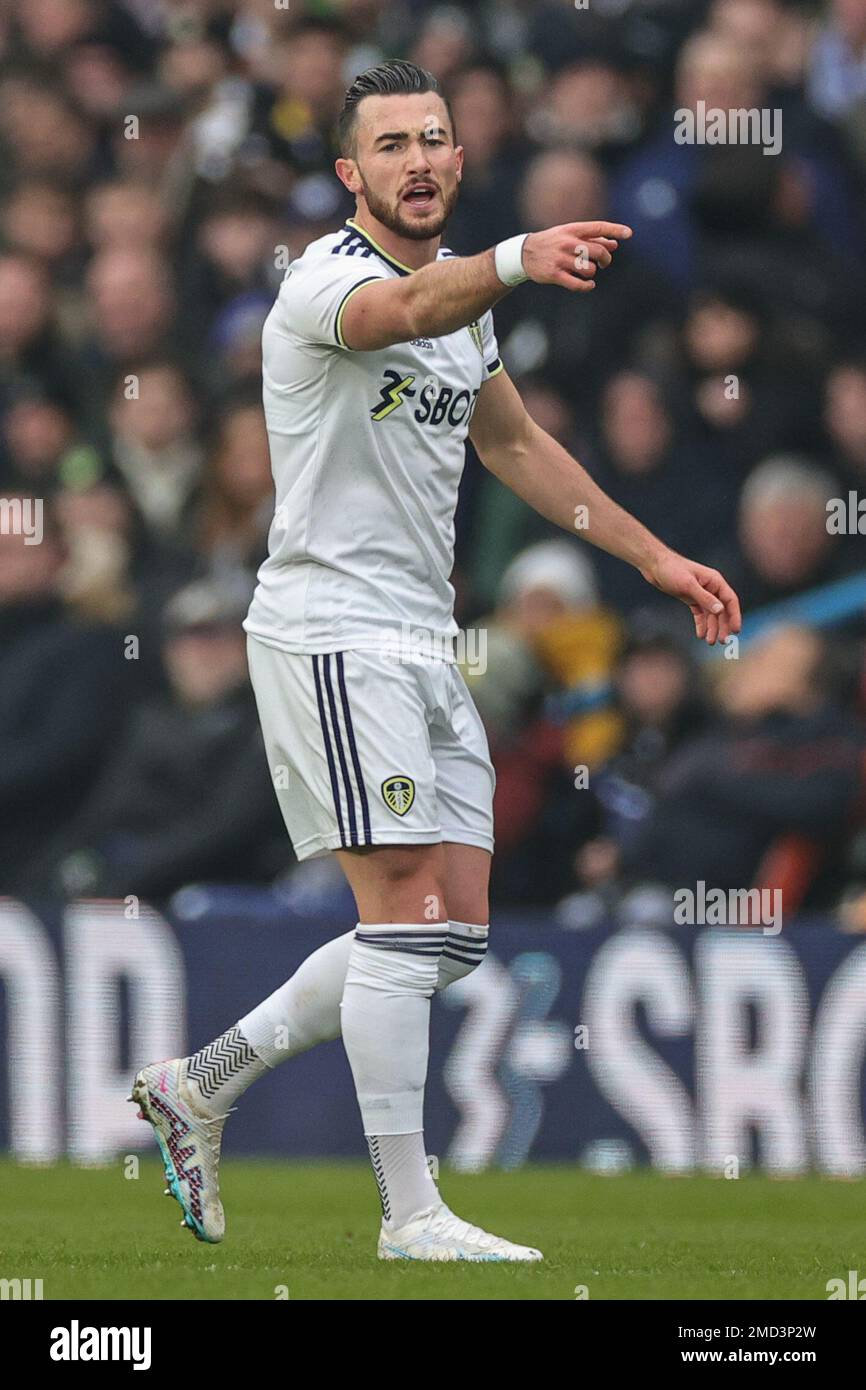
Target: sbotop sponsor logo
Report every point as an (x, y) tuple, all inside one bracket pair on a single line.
[(77, 1343), (703, 125), (22, 516), (735, 907)]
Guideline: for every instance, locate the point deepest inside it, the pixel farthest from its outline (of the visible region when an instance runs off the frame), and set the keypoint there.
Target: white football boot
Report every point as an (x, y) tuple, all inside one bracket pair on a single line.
[(189, 1140), (438, 1234)]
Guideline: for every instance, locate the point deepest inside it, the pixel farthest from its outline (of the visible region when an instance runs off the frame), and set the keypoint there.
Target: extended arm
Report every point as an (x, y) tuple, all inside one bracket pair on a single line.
[(449, 294), (528, 461)]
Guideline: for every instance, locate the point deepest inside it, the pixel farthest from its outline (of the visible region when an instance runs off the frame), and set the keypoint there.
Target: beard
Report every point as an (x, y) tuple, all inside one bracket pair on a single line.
[(393, 219)]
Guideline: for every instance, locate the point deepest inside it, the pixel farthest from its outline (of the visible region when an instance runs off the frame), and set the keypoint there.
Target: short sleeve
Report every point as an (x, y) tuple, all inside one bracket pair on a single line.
[(489, 347), (314, 295)]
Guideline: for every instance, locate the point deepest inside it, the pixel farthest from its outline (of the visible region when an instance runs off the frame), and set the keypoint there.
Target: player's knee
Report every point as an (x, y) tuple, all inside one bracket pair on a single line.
[(464, 950), (389, 961), (412, 888), (468, 903)]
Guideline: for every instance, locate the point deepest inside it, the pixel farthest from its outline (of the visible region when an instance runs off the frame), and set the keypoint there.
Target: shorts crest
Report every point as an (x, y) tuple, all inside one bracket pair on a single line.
[(399, 794)]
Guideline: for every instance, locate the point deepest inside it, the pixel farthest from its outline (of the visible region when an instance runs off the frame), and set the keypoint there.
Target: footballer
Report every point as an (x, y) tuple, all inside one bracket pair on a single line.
[(379, 360)]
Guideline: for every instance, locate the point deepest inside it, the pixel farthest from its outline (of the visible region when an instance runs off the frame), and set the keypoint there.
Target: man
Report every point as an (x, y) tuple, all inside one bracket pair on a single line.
[(379, 359), (147, 828), (61, 693)]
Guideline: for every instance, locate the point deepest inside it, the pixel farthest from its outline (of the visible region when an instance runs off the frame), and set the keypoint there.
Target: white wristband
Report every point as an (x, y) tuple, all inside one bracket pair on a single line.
[(509, 260)]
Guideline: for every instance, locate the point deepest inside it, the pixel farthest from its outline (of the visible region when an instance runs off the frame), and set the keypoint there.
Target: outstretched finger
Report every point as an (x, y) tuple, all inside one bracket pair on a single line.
[(617, 230)]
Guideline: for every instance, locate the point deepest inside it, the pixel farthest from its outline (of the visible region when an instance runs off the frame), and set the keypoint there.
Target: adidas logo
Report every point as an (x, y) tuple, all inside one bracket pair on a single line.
[(422, 343)]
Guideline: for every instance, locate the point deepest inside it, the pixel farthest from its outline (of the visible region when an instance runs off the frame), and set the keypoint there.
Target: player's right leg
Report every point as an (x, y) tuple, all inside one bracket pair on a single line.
[(392, 974), (193, 1096)]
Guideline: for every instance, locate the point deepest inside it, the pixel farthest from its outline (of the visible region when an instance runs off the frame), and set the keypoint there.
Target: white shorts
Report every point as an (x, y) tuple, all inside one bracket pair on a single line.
[(368, 750)]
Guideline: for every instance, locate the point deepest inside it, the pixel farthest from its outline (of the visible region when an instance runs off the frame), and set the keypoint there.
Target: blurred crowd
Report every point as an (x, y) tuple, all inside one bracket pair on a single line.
[(162, 161)]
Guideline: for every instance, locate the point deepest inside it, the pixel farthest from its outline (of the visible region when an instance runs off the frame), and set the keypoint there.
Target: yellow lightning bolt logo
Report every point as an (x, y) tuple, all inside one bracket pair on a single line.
[(392, 396)]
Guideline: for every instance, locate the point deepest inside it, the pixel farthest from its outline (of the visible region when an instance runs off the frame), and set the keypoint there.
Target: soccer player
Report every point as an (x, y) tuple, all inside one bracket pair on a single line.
[(379, 358)]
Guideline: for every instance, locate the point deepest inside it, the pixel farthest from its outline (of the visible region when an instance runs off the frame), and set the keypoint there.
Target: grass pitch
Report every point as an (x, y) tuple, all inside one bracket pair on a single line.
[(308, 1231)]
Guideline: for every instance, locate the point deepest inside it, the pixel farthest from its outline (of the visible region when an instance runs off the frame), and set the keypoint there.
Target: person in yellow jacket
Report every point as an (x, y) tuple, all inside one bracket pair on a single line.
[(549, 631)]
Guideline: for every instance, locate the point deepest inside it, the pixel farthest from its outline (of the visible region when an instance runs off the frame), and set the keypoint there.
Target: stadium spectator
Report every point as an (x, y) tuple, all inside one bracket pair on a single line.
[(660, 707), (61, 694), (232, 255), (645, 463), (686, 199), (783, 544), (577, 347), (155, 444), (500, 525), (747, 392), (49, 135), (446, 43), (159, 167), (37, 432), (547, 634), (237, 500), (296, 115), (188, 796), (845, 421), (40, 219), (788, 762), (486, 210), (125, 214), (30, 347), (837, 71)]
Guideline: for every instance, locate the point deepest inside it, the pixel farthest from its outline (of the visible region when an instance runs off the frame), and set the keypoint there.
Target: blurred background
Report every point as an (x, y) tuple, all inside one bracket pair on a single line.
[(161, 161)]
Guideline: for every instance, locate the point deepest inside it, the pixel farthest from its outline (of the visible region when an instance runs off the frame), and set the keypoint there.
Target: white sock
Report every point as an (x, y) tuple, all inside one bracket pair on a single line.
[(304, 1011), (406, 1186), (223, 1070), (465, 948), (385, 1014)]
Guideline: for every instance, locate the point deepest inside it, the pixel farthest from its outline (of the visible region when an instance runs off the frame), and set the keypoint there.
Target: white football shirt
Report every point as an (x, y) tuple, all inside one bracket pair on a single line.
[(367, 451)]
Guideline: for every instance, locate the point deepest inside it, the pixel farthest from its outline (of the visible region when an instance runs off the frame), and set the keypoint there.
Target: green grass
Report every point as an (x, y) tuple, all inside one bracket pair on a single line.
[(93, 1234)]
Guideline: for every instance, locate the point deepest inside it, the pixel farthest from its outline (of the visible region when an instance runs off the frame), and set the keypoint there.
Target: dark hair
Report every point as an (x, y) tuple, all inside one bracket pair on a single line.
[(394, 78)]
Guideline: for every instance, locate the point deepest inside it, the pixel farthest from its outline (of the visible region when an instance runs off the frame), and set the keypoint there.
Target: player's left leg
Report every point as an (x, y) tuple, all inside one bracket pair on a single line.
[(188, 1099), (305, 1010)]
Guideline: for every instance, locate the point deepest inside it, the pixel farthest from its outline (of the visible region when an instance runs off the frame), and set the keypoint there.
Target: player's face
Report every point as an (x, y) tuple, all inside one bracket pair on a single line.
[(406, 165)]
